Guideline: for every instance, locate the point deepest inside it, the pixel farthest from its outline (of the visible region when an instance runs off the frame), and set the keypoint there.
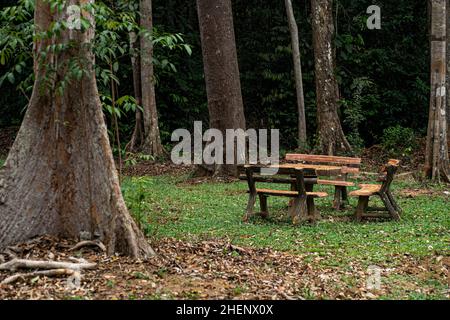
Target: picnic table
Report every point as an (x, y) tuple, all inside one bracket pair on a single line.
[(302, 178)]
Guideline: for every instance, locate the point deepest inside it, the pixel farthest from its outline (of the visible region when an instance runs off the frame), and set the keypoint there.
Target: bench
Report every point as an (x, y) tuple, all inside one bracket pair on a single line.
[(381, 190), (303, 207), (349, 166)]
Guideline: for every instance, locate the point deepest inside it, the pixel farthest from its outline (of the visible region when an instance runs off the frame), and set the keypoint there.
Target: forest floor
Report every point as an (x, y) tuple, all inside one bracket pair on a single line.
[(204, 251)]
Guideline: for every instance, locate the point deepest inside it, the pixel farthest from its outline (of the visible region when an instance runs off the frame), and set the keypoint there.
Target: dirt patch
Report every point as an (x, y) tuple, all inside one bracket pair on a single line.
[(375, 157), (149, 168), (413, 193), (207, 270)]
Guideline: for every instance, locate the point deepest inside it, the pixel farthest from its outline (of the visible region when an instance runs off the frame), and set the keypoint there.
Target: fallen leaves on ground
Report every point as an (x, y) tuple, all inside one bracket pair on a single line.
[(212, 270)]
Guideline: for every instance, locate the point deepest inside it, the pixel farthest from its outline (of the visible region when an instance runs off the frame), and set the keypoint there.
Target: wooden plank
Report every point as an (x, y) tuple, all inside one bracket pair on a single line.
[(290, 194), (349, 170), (285, 169), (394, 162), (322, 158), (310, 169), (366, 190), (280, 180), (336, 183)]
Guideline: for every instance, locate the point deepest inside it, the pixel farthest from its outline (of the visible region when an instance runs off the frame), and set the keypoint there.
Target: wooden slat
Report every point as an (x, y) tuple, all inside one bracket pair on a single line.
[(322, 158), (281, 180), (311, 169), (350, 170), (366, 190), (283, 169), (336, 183), (290, 194), (394, 162)]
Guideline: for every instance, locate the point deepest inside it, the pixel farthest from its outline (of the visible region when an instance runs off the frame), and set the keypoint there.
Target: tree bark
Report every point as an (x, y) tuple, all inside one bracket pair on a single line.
[(223, 86), (137, 139), (60, 178), (436, 157), (302, 138), (331, 135), (152, 139), (448, 68)]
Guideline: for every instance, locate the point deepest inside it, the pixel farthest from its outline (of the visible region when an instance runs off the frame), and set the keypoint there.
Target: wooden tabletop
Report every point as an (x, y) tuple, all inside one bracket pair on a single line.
[(310, 169)]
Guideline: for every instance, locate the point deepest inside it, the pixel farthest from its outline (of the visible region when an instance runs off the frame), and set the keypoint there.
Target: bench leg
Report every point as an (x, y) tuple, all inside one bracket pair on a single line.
[(387, 203), (291, 201), (313, 213), (250, 206), (337, 198), (263, 204), (361, 209), (299, 210), (344, 195), (394, 203)]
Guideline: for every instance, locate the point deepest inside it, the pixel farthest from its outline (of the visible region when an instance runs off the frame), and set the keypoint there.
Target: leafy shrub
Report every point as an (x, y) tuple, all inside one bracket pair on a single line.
[(398, 141)]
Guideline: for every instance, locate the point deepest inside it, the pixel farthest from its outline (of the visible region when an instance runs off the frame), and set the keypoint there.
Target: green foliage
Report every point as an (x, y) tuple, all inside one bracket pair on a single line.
[(353, 110), (399, 141), (114, 21), (383, 74), (133, 159)]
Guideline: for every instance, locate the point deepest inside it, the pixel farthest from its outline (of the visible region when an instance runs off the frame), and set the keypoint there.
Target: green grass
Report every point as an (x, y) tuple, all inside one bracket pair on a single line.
[(168, 207), (2, 162)]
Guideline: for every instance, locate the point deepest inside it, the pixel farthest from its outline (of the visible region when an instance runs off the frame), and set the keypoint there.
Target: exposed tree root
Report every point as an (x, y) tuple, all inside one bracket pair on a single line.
[(15, 264), (45, 273), (55, 268), (83, 244)]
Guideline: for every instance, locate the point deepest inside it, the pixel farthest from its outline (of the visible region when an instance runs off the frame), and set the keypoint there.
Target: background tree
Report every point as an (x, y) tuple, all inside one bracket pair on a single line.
[(331, 135), (295, 44), (137, 138), (152, 139), (60, 177), (221, 69), (383, 75), (436, 156)]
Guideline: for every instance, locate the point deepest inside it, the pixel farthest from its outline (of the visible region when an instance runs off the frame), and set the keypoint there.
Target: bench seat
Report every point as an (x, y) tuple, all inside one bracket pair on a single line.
[(380, 190), (291, 194), (366, 190)]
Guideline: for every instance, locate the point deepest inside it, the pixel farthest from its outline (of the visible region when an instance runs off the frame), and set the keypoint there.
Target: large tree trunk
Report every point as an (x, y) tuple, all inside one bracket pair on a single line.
[(331, 135), (223, 86), (137, 139), (60, 177), (436, 157), (302, 138), (152, 139)]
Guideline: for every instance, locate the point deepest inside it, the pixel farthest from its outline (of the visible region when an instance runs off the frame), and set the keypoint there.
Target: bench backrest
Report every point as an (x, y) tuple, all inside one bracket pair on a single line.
[(389, 171), (349, 165)]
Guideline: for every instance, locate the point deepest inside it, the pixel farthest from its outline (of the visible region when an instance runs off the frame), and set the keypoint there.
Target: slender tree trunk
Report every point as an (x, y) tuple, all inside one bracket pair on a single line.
[(302, 138), (137, 139), (436, 157), (152, 140), (331, 135), (223, 86), (60, 177)]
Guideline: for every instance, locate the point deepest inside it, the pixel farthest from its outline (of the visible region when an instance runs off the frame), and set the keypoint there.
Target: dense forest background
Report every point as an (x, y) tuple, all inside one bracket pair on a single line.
[(383, 74)]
